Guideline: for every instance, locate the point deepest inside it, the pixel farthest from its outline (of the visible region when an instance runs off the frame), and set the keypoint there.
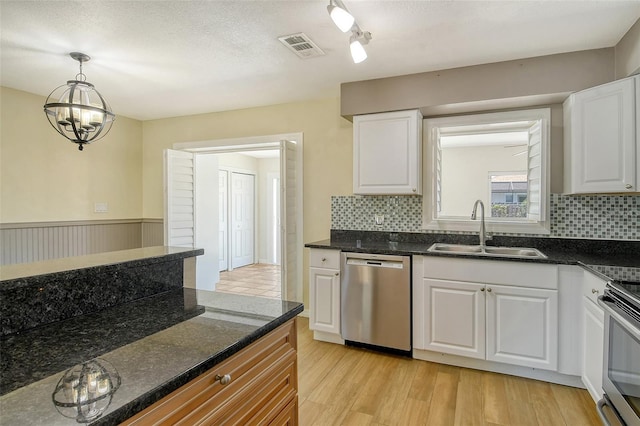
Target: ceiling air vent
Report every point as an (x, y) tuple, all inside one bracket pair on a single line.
[(301, 45)]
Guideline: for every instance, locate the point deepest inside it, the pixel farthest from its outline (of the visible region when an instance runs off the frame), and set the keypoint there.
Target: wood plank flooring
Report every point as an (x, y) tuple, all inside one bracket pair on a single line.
[(348, 386)]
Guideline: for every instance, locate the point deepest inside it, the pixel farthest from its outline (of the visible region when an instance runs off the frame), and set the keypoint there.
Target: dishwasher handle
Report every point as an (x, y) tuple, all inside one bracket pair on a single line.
[(375, 263)]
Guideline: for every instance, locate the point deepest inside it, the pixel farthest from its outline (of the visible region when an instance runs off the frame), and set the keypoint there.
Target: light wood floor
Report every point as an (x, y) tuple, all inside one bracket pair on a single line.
[(259, 279), (347, 386)]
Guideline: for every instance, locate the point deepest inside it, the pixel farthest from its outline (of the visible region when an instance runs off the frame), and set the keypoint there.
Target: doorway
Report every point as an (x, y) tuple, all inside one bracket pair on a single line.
[(289, 147)]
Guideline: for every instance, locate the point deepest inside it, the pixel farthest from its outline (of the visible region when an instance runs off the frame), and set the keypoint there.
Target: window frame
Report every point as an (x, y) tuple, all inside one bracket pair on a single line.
[(539, 224)]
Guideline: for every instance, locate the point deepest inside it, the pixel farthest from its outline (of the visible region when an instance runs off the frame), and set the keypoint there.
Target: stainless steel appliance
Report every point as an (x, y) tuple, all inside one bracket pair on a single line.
[(375, 301), (621, 373)]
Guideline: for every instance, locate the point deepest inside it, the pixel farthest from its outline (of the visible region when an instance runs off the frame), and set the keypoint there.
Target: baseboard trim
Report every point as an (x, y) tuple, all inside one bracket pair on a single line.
[(496, 367)]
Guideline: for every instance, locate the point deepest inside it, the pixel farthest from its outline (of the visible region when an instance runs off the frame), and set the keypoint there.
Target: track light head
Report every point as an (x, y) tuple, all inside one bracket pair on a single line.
[(356, 44), (340, 16)]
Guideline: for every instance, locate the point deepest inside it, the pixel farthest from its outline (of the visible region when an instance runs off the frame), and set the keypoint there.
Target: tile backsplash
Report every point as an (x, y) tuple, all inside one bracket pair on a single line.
[(615, 217)]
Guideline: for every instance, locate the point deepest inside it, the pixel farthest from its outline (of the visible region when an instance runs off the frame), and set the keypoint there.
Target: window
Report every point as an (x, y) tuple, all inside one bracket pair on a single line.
[(508, 194), (499, 158)]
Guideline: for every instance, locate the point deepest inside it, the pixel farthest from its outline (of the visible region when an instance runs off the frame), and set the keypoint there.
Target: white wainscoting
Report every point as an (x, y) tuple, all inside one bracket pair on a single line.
[(32, 242)]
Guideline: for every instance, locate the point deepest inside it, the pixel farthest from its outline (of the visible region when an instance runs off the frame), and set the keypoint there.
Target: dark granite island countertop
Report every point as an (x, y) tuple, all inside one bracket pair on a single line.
[(112, 259), (156, 344)]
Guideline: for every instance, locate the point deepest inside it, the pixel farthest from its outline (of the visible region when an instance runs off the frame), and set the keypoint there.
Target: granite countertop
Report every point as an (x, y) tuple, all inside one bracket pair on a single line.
[(107, 259), (156, 344), (612, 260)]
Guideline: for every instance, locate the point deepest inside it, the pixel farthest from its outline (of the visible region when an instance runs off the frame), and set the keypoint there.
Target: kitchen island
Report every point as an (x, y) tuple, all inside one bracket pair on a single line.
[(155, 344)]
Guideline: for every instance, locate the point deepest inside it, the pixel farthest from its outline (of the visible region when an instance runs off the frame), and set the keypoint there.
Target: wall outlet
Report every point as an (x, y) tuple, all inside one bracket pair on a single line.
[(100, 207)]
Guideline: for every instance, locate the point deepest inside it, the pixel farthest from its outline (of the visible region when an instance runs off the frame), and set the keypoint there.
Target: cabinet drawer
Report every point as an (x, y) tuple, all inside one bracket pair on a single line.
[(260, 372), (259, 402), (519, 274), (592, 286), (321, 258)]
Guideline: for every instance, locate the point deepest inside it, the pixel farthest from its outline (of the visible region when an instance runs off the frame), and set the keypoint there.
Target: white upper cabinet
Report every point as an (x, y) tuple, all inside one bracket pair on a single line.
[(601, 152), (387, 153)]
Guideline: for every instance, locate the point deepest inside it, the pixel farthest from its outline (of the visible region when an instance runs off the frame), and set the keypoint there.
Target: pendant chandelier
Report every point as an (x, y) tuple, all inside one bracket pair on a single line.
[(77, 110)]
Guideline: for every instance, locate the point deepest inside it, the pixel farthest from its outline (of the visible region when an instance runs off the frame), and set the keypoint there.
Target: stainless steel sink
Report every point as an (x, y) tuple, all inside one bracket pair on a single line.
[(488, 251)]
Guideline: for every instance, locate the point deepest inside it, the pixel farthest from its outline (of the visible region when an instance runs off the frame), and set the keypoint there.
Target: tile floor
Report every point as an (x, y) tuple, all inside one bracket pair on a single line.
[(259, 279)]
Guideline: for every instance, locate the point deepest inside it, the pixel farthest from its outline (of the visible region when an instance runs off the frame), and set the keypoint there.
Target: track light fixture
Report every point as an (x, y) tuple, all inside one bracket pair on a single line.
[(345, 21)]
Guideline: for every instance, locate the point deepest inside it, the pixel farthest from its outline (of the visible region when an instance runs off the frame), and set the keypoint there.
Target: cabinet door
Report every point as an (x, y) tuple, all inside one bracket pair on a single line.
[(522, 326), (387, 153), (602, 138), (592, 347), (324, 300), (454, 317)]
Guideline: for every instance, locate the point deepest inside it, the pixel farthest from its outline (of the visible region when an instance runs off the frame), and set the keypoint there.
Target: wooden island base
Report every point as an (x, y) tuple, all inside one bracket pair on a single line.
[(258, 385)]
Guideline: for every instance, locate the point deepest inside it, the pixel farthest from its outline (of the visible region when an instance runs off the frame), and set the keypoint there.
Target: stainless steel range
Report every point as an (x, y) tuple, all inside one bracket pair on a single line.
[(621, 373)]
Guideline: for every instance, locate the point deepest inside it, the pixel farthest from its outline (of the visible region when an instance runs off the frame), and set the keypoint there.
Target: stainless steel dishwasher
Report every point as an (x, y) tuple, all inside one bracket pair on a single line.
[(375, 301)]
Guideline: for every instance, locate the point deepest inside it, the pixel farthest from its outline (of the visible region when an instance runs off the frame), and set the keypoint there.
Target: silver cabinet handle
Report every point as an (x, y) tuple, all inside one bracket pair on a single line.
[(628, 186), (224, 380), (482, 289), (414, 189), (489, 290), (594, 291), (337, 273), (324, 259)]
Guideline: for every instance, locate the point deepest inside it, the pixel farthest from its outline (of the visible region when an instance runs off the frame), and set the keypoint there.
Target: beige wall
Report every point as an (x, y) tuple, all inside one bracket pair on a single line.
[(327, 151), (43, 176), (628, 52)]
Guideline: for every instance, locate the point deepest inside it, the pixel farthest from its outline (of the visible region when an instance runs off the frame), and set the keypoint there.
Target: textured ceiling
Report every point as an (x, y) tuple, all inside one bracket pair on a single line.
[(158, 59)]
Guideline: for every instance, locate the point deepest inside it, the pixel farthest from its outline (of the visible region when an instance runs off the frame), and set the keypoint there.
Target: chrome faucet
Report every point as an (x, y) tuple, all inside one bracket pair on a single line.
[(483, 234)]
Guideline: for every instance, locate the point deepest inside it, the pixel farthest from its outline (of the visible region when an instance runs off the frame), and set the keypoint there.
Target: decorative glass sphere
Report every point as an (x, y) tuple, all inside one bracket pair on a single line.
[(85, 390)]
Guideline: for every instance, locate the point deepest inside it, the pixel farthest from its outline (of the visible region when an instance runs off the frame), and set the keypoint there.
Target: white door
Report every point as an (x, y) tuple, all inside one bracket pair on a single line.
[(179, 194), (242, 219), (522, 326), (324, 298), (454, 317), (223, 219)]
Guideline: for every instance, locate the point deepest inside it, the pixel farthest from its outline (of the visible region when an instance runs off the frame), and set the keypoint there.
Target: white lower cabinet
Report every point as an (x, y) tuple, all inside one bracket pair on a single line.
[(522, 326), (455, 317), (324, 298), (509, 324), (592, 335), (324, 294)]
